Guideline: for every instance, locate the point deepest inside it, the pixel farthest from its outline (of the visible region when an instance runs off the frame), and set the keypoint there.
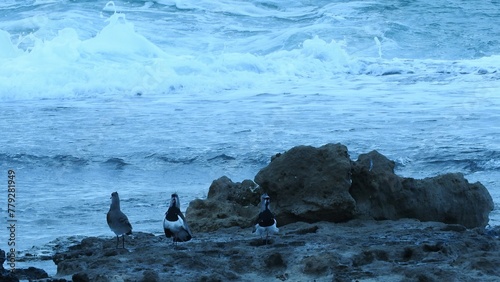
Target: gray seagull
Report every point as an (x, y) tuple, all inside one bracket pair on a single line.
[(117, 220)]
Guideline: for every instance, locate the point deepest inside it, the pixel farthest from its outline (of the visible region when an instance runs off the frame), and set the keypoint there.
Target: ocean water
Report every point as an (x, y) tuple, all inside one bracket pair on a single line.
[(148, 98)]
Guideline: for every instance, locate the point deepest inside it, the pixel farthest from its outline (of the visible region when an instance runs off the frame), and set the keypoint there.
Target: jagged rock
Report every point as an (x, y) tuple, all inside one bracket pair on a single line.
[(227, 204), (309, 184), (448, 198), (7, 276)]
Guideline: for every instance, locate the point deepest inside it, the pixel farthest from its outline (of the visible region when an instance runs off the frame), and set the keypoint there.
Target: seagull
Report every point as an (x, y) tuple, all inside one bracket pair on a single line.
[(175, 224), (266, 223), (117, 220)]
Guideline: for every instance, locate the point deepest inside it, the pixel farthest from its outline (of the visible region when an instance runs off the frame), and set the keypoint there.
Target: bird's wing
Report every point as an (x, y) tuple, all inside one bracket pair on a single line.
[(183, 236), (258, 218), (124, 220), (186, 226)]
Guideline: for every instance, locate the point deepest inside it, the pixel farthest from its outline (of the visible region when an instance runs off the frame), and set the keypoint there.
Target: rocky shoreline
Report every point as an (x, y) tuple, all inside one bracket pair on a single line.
[(358, 250), (340, 220)]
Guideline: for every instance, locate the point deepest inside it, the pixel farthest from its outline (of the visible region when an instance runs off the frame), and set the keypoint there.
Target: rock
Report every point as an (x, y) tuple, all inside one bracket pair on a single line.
[(357, 250), (319, 264), (7, 276), (487, 264), (309, 184), (426, 274), (369, 256), (80, 277), (375, 187), (150, 276), (454, 227), (312, 184), (274, 260), (243, 193), (31, 273), (322, 184), (2, 259), (448, 198), (228, 204), (311, 229), (493, 231)]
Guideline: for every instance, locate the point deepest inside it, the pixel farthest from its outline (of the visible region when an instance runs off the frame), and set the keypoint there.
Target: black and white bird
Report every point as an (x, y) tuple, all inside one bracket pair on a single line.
[(266, 223), (117, 220), (174, 224)]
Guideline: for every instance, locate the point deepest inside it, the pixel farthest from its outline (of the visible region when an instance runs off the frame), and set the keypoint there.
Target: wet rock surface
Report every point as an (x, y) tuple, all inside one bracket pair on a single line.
[(362, 250)]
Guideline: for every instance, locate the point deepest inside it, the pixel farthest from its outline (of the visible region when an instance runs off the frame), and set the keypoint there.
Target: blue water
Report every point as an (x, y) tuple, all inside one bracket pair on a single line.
[(152, 97)]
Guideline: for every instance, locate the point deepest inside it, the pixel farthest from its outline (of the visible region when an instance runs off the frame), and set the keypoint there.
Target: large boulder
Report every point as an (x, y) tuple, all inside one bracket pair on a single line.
[(228, 204), (309, 184), (448, 198)]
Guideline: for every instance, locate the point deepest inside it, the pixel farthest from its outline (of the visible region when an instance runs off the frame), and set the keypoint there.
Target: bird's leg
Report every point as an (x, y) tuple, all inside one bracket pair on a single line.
[(117, 241), (123, 241)]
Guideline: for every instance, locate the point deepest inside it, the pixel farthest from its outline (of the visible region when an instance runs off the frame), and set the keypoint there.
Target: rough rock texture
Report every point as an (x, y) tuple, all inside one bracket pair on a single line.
[(227, 204), (309, 184), (358, 250), (375, 187), (448, 198)]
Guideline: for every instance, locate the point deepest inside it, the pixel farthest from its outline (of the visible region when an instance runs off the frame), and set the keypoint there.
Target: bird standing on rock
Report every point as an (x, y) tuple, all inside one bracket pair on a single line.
[(175, 224), (266, 223), (117, 220)]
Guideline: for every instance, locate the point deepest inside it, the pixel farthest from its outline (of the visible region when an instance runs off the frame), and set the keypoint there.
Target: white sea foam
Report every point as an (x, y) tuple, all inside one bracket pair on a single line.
[(119, 59)]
